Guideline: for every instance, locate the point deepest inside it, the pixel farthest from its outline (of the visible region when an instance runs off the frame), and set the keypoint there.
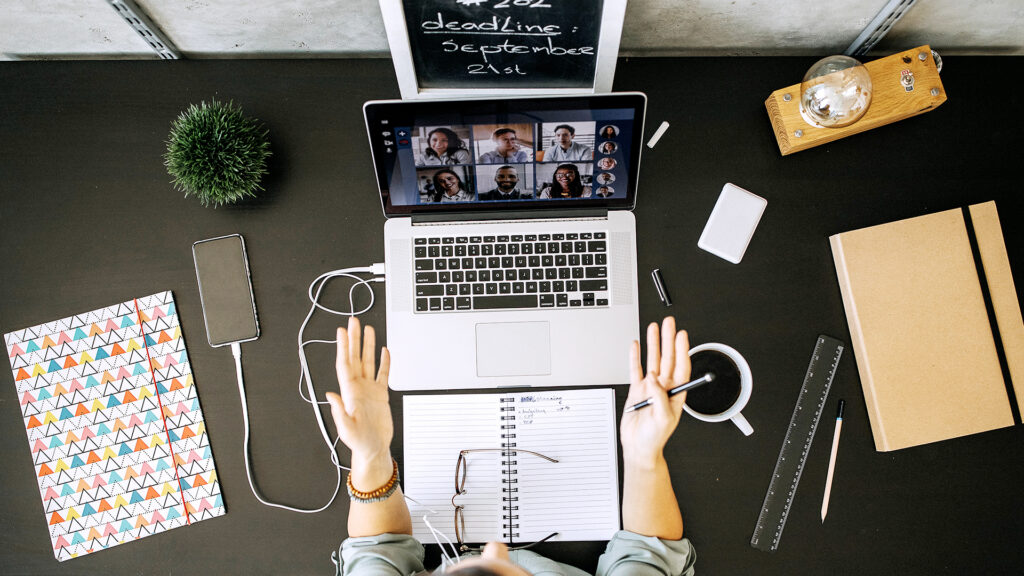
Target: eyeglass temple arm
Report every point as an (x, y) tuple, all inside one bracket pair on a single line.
[(549, 459), (532, 544)]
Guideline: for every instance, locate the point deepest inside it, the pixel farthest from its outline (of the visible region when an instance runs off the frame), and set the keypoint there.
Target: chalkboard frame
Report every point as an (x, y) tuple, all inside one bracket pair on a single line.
[(612, 17)]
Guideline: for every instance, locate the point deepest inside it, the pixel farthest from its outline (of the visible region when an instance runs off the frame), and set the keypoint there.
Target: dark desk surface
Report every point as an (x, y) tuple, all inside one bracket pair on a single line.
[(88, 218)]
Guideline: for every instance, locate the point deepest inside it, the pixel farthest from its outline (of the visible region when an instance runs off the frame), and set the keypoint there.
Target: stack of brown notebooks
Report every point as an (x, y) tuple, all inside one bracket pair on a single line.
[(934, 319)]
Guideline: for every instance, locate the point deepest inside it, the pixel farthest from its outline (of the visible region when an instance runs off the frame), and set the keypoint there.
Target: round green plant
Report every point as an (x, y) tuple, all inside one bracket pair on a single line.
[(217, 153)]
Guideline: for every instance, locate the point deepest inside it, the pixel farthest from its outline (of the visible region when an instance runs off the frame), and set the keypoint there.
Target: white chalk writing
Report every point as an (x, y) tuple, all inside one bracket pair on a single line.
[(498, 56), (495, 25)]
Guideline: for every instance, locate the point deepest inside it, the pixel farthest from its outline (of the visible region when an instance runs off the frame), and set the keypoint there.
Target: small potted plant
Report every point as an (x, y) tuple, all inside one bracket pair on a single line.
[(216, 153)]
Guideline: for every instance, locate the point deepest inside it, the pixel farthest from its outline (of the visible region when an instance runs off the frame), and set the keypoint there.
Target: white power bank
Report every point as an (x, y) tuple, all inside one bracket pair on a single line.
[(732, 223)]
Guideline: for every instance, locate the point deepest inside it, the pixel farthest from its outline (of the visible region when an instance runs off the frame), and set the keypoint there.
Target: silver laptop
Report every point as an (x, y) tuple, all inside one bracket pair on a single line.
[(510, 245)]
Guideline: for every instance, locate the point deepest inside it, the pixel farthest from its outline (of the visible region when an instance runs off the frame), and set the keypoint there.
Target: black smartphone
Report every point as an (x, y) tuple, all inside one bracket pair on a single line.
[(225, 289)]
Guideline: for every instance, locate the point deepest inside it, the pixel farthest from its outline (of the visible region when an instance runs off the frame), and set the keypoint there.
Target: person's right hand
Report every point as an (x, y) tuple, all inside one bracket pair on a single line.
[(645, 432), (361, 412)]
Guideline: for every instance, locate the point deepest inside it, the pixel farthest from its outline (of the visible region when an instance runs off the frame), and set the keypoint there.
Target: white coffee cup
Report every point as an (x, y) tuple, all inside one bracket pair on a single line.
[(746, 387)]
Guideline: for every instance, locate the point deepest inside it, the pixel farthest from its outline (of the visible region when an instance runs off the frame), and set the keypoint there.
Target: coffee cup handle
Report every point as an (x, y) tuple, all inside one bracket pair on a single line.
[(742, 424)]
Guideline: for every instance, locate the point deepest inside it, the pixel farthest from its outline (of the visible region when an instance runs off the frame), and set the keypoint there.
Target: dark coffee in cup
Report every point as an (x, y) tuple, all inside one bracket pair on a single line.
[(721, 393)]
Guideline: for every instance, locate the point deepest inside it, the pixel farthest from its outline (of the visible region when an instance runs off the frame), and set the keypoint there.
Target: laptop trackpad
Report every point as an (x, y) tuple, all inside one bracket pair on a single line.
[(513, 349)]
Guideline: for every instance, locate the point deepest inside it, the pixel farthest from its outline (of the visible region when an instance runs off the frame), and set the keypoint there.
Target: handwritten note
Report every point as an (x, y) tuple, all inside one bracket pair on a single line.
[(578, 496), (511, 43), (514, 496)]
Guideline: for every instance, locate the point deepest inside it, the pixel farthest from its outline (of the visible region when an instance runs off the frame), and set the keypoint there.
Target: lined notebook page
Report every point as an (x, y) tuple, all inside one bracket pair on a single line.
[(578, 497), (436, 428)]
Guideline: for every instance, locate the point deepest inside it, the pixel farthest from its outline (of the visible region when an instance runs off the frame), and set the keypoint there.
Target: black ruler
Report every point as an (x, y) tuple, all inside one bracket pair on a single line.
[(797, 444)]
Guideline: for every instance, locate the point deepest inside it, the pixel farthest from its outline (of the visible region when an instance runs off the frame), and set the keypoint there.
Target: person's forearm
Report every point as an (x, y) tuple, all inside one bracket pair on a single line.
[(373, 518), (649, 505)]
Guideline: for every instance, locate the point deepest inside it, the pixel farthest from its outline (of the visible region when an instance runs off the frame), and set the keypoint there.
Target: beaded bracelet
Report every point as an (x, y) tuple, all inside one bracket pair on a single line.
[(380, 494)]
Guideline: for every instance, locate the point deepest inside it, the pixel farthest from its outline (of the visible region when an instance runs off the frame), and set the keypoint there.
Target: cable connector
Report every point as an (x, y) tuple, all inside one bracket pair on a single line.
[(377, 269)]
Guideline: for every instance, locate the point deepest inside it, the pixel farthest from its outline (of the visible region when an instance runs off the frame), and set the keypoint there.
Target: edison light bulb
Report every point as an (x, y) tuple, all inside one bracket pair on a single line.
[(836, 91)]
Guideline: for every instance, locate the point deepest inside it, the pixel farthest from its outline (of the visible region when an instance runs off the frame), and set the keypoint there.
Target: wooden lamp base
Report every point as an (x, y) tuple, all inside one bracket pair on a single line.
[(903, 85)]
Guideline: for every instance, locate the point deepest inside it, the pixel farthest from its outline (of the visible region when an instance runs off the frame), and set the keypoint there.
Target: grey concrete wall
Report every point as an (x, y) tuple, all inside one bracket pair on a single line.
[(68, 29)]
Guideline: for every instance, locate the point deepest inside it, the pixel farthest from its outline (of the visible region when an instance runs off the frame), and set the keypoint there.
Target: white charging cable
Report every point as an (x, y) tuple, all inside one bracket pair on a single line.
[(447, 560), (315, 289)]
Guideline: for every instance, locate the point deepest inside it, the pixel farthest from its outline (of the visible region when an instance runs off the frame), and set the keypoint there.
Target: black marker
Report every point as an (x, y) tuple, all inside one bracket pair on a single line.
[(708, 377), (659, 285)]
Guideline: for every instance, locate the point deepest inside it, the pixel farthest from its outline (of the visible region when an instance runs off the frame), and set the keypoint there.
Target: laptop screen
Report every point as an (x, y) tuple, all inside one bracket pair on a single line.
[(548, 153)]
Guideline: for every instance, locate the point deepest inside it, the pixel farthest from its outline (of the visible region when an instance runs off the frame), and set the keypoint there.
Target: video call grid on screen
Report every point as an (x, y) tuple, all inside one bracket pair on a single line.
[(528, 158)]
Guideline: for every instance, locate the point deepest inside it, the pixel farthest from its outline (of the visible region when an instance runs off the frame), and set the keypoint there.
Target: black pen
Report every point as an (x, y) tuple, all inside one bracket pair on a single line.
[(708, 377), (659, 285)]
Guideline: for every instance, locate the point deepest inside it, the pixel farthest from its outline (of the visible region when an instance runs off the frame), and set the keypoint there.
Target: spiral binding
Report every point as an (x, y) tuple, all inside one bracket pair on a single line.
[(510, 492)]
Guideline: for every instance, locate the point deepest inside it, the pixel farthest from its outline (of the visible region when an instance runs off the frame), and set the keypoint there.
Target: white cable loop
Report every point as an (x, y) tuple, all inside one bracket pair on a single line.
[(315, 289)]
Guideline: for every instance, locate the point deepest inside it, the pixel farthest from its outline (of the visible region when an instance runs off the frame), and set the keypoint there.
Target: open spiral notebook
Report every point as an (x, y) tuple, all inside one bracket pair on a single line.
[(512, 496)]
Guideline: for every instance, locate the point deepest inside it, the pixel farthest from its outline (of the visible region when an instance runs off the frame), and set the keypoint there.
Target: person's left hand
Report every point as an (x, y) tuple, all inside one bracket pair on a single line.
[(361, 412), (645, 432)]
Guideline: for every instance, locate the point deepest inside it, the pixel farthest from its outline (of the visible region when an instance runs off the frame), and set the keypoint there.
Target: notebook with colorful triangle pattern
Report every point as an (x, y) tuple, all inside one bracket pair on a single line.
[(114, 426)]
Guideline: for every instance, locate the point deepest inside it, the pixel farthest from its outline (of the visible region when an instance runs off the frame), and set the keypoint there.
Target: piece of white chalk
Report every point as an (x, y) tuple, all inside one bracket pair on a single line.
[(657, 135)]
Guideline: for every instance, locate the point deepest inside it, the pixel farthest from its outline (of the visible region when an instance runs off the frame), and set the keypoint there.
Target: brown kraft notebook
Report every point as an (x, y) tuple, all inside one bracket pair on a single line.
[(926, 350)]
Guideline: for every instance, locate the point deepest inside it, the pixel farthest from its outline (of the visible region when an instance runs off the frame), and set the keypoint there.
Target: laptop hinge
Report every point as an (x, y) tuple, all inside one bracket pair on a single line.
[(511, 215)]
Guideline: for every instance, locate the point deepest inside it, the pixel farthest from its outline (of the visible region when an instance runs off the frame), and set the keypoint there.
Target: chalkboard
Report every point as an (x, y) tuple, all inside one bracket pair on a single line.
[(496, 46)]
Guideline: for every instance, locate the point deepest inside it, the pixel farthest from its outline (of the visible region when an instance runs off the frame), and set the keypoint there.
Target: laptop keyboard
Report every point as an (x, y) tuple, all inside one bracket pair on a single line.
[(567, 270)]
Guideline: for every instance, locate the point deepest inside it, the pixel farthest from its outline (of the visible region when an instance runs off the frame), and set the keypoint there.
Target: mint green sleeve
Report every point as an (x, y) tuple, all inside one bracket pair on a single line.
[(382, 555), (631, 554)]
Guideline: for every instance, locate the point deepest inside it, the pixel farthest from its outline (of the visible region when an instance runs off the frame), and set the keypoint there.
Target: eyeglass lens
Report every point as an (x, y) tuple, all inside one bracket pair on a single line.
[(460, 474)]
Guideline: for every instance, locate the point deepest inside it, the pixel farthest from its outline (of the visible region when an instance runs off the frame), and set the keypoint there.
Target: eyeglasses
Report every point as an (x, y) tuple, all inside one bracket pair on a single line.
[(461, 469)]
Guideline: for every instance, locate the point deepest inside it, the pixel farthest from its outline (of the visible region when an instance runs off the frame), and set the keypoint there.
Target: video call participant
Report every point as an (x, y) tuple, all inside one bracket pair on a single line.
[(605, 191), (608, 147), (609, 132), (506, 149), (448, 187), (426, 189), (380, 541), (444, 148), (565, 150), (565, 184), (507, 179)]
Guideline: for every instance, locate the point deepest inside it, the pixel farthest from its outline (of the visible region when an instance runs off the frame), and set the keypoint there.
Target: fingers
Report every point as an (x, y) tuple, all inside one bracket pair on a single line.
[(682, 371), (659, 397), (636, 372), (356, 352), (668, 334), (653, 350), (636, 375), (341, 361), (369, 351), (385, 367), (341, 417), (652, 390), (354, 337)]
